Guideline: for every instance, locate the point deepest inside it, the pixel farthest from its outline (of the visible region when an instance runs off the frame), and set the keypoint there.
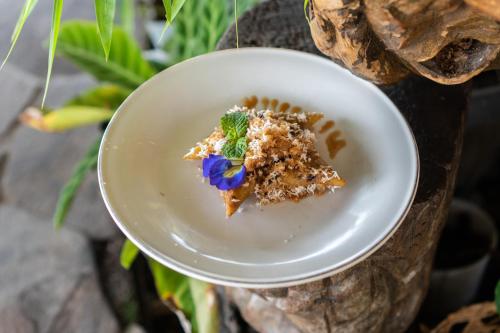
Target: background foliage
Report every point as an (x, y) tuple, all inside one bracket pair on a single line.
[(110, 54)]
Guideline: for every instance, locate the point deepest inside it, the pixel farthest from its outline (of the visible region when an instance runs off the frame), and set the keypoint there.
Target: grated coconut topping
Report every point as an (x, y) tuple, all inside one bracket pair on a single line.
[(281, 158)]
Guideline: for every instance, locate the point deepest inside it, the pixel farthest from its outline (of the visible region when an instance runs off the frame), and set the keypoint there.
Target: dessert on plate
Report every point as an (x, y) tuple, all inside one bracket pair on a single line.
[(268, 153)]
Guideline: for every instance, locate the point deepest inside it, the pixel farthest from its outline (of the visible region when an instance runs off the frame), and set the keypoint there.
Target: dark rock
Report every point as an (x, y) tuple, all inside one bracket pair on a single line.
[(40, 164), (117, 282), (65, 87), (47, 279), (19, 89)]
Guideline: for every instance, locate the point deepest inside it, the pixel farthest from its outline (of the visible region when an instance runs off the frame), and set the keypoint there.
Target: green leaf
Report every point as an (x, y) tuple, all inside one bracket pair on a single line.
[(65, 118), (105, 15), (236, 23), (173, 286), (172, 8), (67, 194), (306, 3), (497, 296), (177, 6), (198, 28), (125, 67), (167, 4), (206, 312), (234, 125), (244, 5), (229, 149), (235, 149), (25, 12), (54, 32), (107, 96), (127, 16), (196, 299), (241, 146), (128, 254)]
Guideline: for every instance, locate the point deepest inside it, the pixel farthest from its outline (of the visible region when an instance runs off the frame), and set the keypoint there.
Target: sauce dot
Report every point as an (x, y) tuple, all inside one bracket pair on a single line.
[(284, 107), (329, 124), (274, 104), (265, 102), (334, 144), (250, 102)]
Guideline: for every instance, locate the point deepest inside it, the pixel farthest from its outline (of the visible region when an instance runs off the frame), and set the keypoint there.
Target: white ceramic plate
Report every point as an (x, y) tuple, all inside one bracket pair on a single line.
[(158, 201)]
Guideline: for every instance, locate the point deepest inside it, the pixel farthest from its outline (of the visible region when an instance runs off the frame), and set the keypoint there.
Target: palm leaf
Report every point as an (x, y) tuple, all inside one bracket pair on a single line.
[(107, 96), (127, 16), (54, 32), (68, 192), (176, 7), (168, 10), (125, 67), (25, 12), (172, 8), (199, 26), (65, 118), (105, 16)]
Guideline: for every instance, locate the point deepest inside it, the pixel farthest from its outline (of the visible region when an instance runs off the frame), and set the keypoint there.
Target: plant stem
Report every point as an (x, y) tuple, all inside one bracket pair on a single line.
[(236, 22)]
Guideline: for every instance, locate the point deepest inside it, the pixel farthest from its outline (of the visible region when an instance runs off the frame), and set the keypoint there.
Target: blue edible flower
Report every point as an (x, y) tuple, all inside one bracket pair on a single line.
[(222, 173)]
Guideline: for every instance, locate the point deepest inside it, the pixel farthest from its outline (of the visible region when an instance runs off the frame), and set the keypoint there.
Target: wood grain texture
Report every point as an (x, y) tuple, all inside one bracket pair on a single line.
[(476, 318), (447, 41), (488, 7), (384, 292)]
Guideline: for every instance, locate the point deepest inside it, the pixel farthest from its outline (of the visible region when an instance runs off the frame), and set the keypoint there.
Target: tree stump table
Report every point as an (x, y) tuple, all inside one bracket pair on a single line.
[(384, 292)]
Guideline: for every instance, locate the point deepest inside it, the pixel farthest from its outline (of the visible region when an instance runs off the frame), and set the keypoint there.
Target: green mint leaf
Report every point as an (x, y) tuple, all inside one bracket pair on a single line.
[(241, 124), (235, 149), (234, 125), (241, 147), (229, 149)]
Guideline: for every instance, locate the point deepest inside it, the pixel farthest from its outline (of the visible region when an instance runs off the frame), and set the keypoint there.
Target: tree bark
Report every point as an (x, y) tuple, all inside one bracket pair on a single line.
[(448, 41), (384, 292)]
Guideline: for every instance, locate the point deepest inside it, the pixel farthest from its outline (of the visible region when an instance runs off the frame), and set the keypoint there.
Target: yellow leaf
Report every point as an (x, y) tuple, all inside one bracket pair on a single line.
[(63, 119)]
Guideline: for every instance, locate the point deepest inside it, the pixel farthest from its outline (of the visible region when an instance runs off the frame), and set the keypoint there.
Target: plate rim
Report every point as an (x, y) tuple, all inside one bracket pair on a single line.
[(252, 282)]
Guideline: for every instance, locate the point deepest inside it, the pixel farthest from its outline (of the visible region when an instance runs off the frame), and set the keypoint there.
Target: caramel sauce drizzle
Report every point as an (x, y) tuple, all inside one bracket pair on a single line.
[(265, 102), (329, 124), (274, 104), (250, 102), (333, 141), (334, 144), (284, 106)]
